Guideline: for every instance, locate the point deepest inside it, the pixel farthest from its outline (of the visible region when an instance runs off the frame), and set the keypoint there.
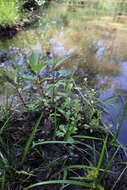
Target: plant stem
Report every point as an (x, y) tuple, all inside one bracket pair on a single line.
[(41, 90), (21, 98)]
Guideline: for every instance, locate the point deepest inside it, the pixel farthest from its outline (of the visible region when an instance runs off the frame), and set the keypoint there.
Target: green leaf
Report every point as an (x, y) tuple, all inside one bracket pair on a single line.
[(54, 142), (62, 128), (71, 182), (23, 173), (102, 154), (82, 167), (39, 66), (60, 62), (86, 137), (33, 60), (29, 78), (29, 141)]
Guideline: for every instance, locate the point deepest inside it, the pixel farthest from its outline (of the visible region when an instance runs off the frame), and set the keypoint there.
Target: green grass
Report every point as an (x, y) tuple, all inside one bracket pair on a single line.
[(30, 139), (9, 12), (56, 134)]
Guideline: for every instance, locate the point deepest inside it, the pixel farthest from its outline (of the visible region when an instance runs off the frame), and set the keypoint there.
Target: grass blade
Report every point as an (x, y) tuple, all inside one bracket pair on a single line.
[(54, 142), (29, 142), (82, 167), (86, 137), (62, 142), (70, 182), (109, 164), (102, 154)]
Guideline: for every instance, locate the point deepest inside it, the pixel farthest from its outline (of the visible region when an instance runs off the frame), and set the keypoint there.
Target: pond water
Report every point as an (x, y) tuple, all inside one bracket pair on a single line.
[(96, 35)]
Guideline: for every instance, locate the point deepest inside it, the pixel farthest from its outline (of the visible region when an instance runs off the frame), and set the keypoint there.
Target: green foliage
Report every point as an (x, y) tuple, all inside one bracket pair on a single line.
[(67, 109), (9, 11), (34, 63), (93, 173), (29, 141), (70, 109), (98, 7), (52, 90)]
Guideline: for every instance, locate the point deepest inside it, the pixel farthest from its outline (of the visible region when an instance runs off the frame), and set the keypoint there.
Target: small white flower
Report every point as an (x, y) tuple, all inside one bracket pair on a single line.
[(92, 101), (43, 2), (91, 130), (85, 79), (39, 3)]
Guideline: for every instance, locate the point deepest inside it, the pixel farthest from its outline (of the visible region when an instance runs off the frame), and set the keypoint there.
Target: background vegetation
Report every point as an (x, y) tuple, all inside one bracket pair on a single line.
[(9, 11), (51, 130)]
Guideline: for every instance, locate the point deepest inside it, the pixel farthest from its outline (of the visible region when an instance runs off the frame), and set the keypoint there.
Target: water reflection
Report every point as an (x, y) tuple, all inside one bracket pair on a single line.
[(117, 116), (94, 33)]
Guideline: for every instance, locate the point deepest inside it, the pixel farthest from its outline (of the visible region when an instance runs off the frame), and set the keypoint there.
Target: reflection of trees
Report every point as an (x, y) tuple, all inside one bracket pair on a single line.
[(89, 66), (123, 5), (121, 8), (83, 69), (109, 7)]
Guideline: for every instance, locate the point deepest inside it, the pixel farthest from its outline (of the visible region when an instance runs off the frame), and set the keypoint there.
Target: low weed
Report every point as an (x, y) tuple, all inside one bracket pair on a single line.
[(56, 136), (9, 11)]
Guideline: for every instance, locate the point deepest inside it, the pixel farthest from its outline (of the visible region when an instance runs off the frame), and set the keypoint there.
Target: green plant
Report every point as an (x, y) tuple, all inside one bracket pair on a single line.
[(70, 109), (9, 11), (67, 110), (30, 139), (94, 176), (56, 93)]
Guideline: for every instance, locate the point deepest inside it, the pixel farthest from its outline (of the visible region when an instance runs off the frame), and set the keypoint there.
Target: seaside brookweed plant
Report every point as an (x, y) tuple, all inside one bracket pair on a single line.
[(56, 89), (67, 108)]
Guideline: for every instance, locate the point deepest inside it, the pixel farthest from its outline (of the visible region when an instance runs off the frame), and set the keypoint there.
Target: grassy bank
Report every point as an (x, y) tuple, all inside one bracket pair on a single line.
[(9, 12), (51, 133), (15, 15)]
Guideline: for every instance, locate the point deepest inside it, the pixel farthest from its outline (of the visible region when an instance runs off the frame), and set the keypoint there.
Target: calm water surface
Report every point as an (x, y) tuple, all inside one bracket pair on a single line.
[(97, 39)]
